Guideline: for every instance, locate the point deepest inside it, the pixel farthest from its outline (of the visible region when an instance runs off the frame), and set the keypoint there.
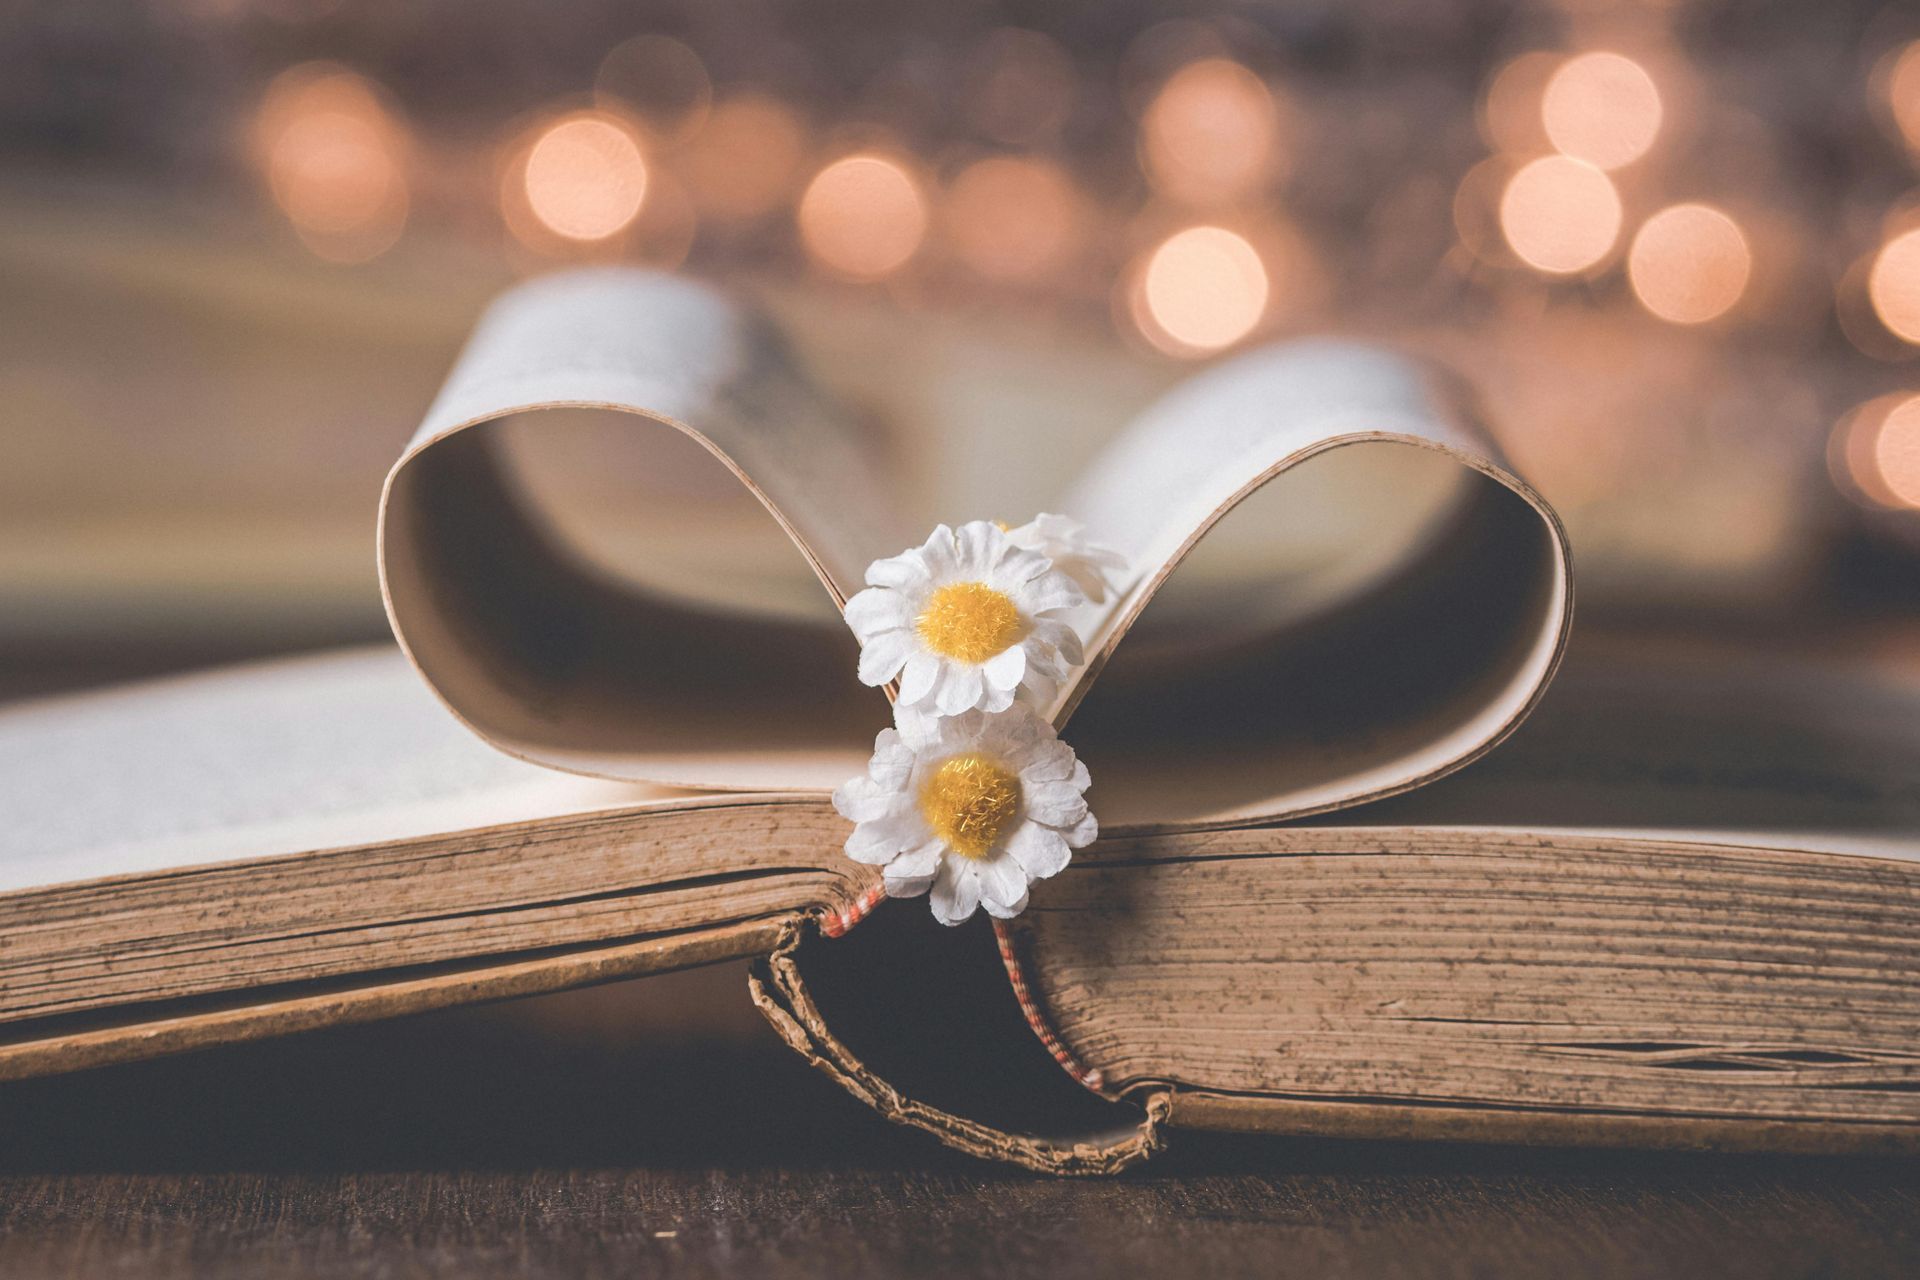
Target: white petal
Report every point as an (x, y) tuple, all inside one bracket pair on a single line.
[(997, 700), (1048, 761), (878, 609), (978, 544), (877, 841), (904, 572), (1018, 566), (1060, 636), (937, 554), (1003, 887), (1045, 660), (905, 886), (863, 800), (1058, 804), (1049, 593), (960, 691), (1004, 669), (1042, 851), (1081, 779), (892, 762), (956, 891), (919, 862), (1084, 833), (882, 656), (917, 677)]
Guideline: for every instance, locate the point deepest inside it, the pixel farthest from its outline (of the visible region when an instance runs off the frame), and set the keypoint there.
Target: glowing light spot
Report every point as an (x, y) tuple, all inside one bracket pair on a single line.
[(745, 160), (968, 622), (1903, 94), (1560, 215), (1203, 289), (1602, 108), (1211, 134), (585, 178), (863, 216), (1509, 115), (968, 801), (1012, 218), (1689, 263), (335, 160), (1896, 454), (1893, 285)]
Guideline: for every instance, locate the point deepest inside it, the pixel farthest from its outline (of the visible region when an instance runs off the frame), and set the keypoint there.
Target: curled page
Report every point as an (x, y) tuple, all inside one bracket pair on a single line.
[(1341, 591)]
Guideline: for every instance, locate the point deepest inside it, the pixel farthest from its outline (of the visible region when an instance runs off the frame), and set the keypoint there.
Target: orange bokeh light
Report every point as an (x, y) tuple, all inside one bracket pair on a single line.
[(1602, 108), (584, 176), (1200, 290), (863, 216), (1560, 215), (1893, 285), (335, 160), (1903, 94), (1875, 452), (1012, 218), (1509, 115), (745, 160), (1689, 263), (1212, 133)]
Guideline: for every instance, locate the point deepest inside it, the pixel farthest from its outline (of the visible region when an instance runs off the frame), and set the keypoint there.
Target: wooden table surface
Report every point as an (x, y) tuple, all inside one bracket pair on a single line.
[(656, 1127)]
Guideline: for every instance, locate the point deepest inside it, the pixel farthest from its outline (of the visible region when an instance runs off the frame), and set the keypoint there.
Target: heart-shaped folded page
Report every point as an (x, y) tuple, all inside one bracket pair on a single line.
[(1338, 590)]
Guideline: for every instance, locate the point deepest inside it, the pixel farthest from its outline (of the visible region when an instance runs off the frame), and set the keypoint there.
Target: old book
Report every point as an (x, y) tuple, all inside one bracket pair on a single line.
[(1679, 906)]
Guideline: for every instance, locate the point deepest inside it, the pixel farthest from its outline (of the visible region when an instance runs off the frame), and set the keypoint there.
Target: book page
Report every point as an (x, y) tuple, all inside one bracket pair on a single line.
[(693, 638), (257, 760), (1343, 591)]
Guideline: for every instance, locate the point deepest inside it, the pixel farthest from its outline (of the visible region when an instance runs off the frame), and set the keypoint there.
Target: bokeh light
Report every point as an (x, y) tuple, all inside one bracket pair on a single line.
[(1893, 285), (1602, 108), (1509, 115), (1560, 215), (335, 160), (1200, 290), (1903, 93), (1689, 263), (1211, 135), (584, 177), (863, 216), (1012, 218), (745, 160), (1874, 452)]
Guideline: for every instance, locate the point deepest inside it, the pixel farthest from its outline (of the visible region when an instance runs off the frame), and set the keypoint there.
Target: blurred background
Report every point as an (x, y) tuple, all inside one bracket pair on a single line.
[(1676, 244)]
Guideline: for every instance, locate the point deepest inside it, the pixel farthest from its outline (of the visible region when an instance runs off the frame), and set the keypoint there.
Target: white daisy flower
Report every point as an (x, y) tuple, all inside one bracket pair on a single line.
[(966, 621), (971, 807), (1094, 568)]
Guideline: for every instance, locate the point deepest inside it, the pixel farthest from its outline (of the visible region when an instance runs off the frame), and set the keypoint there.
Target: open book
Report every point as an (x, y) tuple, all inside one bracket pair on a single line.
[(1681, 906)]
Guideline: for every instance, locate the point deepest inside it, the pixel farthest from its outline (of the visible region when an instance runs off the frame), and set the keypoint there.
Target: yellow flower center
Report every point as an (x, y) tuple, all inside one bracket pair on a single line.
[(968, 800), (968, 621)]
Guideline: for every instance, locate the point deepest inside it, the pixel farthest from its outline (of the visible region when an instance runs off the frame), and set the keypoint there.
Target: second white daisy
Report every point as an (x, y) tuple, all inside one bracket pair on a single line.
[(968, 620), (968, 809)]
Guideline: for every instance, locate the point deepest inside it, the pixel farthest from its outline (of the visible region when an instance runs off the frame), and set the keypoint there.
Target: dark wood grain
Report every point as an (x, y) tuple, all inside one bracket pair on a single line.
[(653, 1127)]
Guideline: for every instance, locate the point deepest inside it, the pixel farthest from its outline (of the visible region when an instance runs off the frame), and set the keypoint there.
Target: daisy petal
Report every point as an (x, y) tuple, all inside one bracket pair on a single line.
[(916, 679), (1003, 884), (905, 886), (864, 800), (904, 572), (1005, 669), (1084, 833), (1041, 851), (956, 891), (1057, 804), (1051, 592), (877, 841), (977, 545), (959, 691), (878, 609), (1049, 760), (937, 554), (892, 762), (917, 863), (882, 656)]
